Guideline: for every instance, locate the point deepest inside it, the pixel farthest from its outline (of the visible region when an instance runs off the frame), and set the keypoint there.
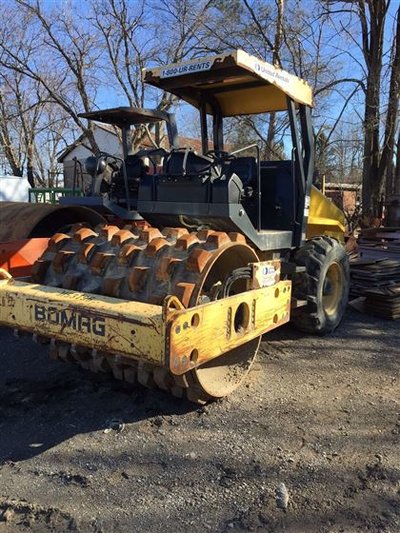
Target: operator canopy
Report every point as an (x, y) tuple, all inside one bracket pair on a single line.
[(231, 84), (127, 116)]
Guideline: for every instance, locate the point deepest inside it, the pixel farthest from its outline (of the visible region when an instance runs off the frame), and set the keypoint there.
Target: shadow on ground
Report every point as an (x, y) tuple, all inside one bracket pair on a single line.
[(45, 402)]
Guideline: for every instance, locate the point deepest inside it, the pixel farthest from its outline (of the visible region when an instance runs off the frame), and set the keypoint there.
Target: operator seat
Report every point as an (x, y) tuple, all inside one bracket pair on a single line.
[(135, 171), (187, 160), (245, 168)]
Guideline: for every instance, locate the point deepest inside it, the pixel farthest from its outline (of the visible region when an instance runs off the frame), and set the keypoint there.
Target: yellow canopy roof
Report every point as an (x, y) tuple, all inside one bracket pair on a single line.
[(240, 84)]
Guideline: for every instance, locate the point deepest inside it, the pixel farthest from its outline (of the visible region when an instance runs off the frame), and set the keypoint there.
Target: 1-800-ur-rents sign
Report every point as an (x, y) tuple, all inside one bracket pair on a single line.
[(189, 68)]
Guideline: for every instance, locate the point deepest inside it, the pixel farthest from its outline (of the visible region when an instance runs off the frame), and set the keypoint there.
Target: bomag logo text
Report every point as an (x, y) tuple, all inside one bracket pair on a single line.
[(71, 319)]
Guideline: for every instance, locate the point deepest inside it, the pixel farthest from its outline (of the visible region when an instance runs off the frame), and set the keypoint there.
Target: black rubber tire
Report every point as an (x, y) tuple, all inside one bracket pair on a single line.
[(324, 258)]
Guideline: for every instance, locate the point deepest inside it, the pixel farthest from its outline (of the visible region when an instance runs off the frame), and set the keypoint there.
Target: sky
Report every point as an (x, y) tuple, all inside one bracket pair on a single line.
[(188, 123), (350, 65)]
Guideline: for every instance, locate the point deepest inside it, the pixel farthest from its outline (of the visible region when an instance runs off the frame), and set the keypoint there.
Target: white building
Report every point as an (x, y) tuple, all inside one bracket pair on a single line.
[(106, 138)]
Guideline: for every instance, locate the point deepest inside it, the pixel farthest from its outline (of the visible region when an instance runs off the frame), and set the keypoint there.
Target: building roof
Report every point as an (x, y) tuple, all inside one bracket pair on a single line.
[(343, 186)]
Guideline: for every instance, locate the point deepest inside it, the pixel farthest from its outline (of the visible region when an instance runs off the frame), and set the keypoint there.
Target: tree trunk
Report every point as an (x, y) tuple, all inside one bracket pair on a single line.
[(276, 61), (92, 141), (12, 159), (271, 136), (29, 165), (396, 184), (387, 164), (372, 184), (372, 37)]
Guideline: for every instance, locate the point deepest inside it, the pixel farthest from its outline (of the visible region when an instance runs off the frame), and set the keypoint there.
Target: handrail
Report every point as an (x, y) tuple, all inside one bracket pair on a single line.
[(51, 194)]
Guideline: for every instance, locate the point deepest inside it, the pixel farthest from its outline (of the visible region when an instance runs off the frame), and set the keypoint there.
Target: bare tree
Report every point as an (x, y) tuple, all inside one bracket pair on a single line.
[(21, 107), (376, 159), (380, 113), (396, 185), (119, 25), (11, 145), (53, 135), (64, 55), (32, 129), (284, 33), (275, 50), (386, 164), (70, 60), (171, 29)]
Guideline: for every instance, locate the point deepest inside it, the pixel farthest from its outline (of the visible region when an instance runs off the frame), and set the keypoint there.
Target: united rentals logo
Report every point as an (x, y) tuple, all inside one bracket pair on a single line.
[(71, 319)]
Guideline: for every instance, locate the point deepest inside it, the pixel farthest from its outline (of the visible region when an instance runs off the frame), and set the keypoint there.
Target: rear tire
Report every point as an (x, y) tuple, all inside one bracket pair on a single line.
[(324, 285)]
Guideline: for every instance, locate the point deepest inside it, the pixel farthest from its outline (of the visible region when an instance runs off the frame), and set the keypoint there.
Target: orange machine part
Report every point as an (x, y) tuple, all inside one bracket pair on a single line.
[(17, 257)]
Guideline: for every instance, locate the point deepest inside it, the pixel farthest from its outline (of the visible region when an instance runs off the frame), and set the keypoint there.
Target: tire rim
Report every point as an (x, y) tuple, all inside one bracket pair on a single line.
[(333, 289)]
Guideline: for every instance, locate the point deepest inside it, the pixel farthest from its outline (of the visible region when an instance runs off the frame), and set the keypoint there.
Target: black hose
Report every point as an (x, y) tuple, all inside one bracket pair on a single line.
[(235, 275)]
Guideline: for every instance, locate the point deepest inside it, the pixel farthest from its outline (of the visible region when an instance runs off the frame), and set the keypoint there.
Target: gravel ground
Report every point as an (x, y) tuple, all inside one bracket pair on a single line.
[(321, 416)]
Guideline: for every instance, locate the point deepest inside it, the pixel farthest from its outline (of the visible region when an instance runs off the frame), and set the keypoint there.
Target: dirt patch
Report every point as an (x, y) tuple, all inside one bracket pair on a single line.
[(310, 443), (21, 515)]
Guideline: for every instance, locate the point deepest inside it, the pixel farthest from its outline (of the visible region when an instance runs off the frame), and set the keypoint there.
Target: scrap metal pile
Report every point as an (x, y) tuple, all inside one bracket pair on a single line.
[(375, 273), (384, 302), (374, 242)]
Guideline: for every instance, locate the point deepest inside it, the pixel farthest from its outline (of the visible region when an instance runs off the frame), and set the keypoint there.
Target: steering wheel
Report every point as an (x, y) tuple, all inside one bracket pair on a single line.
[(220, 155)]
